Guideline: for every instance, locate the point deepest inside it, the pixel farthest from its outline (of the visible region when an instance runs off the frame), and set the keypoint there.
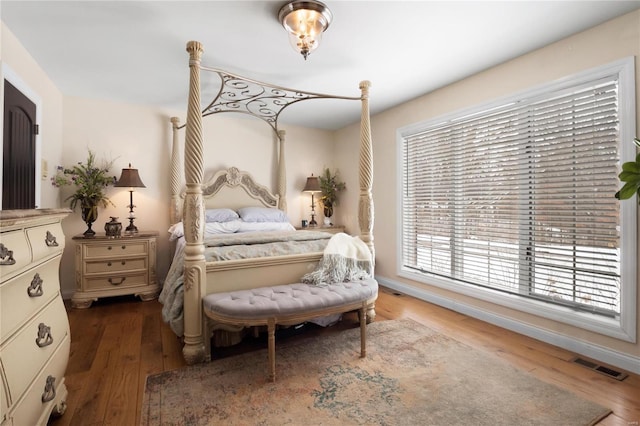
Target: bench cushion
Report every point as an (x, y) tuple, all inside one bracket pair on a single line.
[(289, 299)]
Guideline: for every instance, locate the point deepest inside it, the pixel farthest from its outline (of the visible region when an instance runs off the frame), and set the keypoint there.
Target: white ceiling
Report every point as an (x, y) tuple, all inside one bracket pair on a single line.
[(134, 51)]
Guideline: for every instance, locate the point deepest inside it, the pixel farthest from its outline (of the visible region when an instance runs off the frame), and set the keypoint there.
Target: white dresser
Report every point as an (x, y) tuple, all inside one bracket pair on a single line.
[(34, 328)]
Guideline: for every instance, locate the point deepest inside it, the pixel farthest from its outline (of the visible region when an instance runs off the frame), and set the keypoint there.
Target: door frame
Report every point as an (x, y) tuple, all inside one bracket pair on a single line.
[(6, 73)]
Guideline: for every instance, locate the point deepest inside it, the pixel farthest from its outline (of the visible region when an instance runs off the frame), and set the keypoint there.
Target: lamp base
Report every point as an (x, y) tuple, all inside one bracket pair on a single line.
[(313, 222), (131, 229)]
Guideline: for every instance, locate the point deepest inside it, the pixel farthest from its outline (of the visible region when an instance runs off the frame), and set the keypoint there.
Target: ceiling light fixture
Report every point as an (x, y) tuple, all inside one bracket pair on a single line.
[(305, 21)]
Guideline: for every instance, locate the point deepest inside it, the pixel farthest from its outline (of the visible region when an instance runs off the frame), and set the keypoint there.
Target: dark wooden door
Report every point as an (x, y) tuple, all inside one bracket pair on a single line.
[(19, 150)]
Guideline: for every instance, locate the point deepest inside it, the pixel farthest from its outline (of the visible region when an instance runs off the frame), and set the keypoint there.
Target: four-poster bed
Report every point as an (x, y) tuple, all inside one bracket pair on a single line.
[(233, 189)]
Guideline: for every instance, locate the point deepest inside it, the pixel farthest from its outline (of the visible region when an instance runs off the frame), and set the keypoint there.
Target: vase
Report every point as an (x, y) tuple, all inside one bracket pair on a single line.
[(327, 221), (89, 215)]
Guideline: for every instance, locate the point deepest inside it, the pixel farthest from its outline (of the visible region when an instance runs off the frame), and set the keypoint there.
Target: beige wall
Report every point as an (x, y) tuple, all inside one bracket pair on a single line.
[(606, 43)]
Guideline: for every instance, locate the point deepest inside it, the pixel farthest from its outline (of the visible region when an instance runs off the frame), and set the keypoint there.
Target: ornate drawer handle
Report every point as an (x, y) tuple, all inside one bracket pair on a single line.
[(111, 281), (49, 389), (122, 262), (50, 240), (35, 288), (6, 256), (44, 335)]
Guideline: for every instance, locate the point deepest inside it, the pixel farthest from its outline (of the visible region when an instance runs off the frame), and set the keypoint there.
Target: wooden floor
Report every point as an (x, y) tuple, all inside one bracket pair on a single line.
[(117, 342)]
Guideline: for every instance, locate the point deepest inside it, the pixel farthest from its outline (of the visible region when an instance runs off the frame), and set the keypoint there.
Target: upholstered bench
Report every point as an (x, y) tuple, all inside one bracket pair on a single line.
[(292, 304)]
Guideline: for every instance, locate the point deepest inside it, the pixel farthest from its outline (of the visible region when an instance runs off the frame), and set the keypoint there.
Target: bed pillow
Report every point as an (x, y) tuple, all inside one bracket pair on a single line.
[(265, 226), (220, 215), (214, 228), (262, 214)]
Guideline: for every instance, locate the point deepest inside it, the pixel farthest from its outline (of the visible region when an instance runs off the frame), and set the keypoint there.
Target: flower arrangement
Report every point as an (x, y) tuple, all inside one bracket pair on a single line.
[(330, 186), (90, 180)]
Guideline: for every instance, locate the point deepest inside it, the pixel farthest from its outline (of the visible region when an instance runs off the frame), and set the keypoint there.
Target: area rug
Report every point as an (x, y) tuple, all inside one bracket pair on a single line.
[(412, 375)]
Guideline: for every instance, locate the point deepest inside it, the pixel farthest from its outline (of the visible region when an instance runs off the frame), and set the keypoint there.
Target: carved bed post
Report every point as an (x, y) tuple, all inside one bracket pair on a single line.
[(365, 205), (175, 215), (282, 174), (193, 217)]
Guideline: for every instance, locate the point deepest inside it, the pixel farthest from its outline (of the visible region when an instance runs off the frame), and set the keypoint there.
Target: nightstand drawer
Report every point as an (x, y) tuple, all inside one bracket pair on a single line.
[(26, 294), (116, 265), (116, 281), (117, 248)]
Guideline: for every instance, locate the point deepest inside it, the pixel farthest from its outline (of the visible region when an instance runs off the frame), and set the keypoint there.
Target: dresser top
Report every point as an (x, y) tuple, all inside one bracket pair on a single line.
[(11, 218)]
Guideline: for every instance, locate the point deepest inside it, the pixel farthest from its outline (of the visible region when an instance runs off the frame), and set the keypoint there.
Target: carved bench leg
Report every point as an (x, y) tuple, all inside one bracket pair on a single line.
[(271, 326), (363, 331)]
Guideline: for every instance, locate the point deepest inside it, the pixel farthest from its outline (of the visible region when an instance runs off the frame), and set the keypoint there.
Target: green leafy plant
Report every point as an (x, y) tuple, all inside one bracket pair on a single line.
[(630, 175), (330, 186), (90, 181)]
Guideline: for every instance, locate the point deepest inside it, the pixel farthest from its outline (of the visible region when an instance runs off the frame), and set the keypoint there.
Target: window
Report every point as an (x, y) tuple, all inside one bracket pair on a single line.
[(516, 198)]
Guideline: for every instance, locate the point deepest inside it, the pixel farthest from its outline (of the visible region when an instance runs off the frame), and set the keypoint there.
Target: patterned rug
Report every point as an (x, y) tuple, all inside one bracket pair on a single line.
[(412, 375)]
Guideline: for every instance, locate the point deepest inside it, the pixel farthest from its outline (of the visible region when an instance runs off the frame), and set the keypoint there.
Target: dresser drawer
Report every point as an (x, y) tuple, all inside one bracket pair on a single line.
[(117, 248), (36, 404), (116, 281), (115, 265), (45, 240), (14, 253), (26, 294), (24, 355)]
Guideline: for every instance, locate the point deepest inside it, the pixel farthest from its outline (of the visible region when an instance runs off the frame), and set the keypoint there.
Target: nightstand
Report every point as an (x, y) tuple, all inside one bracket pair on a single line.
[(107, 266), (333, 229)]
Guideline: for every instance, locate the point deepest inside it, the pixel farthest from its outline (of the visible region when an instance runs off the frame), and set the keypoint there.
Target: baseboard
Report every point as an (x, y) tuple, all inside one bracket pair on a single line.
[(624, 361)]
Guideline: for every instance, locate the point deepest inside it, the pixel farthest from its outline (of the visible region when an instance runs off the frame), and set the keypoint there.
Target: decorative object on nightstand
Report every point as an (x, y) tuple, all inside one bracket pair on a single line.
[(312, 186), (131, 179), (113, 228), (34, 328), (330, 186), (107, 266)]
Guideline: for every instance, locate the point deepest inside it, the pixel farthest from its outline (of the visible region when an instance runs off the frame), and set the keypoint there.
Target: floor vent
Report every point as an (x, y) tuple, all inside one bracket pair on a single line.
[(600, 369)]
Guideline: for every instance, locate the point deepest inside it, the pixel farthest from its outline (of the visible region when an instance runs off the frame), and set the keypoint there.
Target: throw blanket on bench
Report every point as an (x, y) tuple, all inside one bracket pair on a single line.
[(345, 258)]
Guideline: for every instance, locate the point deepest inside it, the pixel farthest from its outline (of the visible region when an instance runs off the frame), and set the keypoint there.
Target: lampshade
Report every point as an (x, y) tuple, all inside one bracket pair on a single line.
[(313, 184), (305, 21), (130, 178)]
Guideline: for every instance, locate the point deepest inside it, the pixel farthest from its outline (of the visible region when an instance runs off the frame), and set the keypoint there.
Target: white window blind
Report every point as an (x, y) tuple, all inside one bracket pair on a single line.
[(519, 198)]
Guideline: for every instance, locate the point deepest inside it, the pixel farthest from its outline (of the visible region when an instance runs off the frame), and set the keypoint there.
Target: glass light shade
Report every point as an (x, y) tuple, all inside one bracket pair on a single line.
[(305, 21)]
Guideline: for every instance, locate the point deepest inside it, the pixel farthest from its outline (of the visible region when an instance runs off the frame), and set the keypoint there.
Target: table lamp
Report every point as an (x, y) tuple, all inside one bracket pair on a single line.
[(312, 186), (130, 178)]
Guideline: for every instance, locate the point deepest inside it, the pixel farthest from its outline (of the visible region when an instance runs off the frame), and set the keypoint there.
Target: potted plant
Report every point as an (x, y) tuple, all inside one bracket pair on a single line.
[(91, 181), (330, 186), (630, 175)]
